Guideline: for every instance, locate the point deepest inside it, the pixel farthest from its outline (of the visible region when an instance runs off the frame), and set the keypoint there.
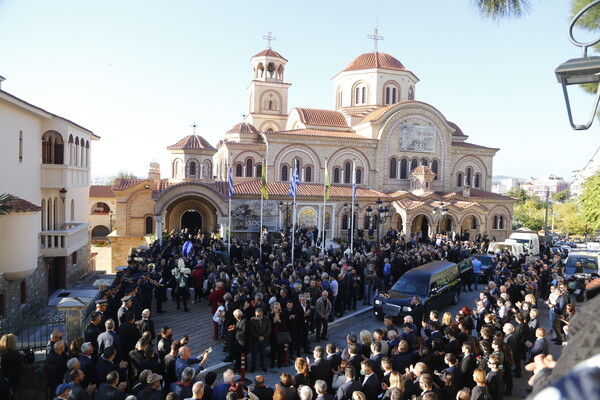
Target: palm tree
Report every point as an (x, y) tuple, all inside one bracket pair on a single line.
[(5, 206), (497, 9)]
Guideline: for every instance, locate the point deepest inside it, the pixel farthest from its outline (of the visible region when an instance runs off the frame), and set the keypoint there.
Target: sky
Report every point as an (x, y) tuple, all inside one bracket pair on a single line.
[(140, 73)]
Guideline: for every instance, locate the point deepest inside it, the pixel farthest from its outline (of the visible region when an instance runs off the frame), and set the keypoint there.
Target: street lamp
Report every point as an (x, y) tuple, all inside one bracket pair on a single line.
[(380, 218), (63, 194), (439, 213), (286, 208), (579, 71), (348, 210)]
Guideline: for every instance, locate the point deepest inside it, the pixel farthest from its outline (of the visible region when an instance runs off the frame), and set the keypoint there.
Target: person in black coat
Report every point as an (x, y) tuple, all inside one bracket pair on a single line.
[(320, 368), (351, 385), (92, 331), (260, 390), (151, 362), (109, 338), (417, 311), (111, 390), (87, 364), (147, 325), (376, 358), (106, 364), (128, 333), (57, 365), (334, 357), (355, 358), (468, 365), (370, 384)]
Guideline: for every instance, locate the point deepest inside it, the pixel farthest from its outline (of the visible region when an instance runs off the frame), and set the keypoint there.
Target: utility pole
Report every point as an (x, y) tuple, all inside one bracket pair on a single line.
[(546, 220)]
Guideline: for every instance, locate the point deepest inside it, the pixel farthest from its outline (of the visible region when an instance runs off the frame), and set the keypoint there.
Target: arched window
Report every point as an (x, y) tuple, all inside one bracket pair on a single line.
[(360, 94), (425, 162), (411, 93), (345, 222), (20, 146), (270, 104), (284, 173), (336, 175), (477, 181), (347, 172), (23, 292), (434, 168), (459, 179), (53, 148), (364, 95), (148, 225), (249, 167), (193, 168), (501, 222), (339, 98), (473, 223), (414, 164), (43, 214), (393, 168), (495, 225), (393, 95), (308, 174), (469, 173), (259, 170), (404, 168), (239, 170), (387, 95), (357, 96), (358, 176), (177, 168)]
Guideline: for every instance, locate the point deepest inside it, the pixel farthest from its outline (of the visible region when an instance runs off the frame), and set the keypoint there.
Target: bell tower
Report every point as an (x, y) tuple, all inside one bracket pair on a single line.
[(268, 93)]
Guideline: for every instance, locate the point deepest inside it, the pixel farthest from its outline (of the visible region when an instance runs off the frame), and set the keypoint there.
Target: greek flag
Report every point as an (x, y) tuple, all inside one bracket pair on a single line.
[(294, 182), (231, 191), (353, 186)]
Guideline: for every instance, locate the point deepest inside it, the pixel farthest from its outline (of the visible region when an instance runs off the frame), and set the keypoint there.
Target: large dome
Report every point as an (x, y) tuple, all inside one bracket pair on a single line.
[(243, 127), (375, 60)]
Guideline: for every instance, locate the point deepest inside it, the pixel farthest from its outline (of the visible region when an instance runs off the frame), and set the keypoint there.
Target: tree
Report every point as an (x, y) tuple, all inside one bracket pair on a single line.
[(5, 206), (530, 214), (520, 194), (122, 174), (589, 201), (561, 196), (498, 9), (568, 219)]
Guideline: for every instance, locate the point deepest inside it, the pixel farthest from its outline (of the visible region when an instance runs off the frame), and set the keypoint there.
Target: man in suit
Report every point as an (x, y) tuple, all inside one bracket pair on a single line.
[(112, 389), (351, 385), (320, 368), (321, 390), (322, 309), (417, 311), (260, 330), (540, 346), (101, 307), (92, 331), (370, 384), (57, 365), (106, 364), (334, 358), (468, 365), (260, 390), (128, 333), (109, 338), (376, 357), (355, 359), (147, 325), (86, 363)]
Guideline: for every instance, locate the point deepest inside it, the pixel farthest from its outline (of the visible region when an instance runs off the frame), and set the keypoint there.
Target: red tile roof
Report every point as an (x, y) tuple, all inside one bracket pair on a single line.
[(253, 187), (377, 114), (311, 116), (457, 130), (269, 53), (472, 145), (101, 191), (375, 60), (19, 205), (320, 132), (194, 142), (243, 127), (126, 183), (422, 170), (482, 194)]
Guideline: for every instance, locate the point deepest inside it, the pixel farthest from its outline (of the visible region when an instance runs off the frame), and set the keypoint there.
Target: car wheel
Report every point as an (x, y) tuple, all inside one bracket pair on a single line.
[(456, 297)]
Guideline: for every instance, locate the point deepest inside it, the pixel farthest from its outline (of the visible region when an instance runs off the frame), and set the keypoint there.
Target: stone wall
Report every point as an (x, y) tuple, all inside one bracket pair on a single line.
[(121, 247), (82, 267), (36, 293)]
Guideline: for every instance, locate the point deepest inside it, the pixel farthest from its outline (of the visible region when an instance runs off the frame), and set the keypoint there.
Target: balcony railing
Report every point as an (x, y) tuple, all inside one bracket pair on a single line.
[(56, 176), (61, 243)]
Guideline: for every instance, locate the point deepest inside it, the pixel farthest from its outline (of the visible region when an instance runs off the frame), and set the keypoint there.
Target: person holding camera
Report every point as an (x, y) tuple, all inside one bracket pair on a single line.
[(186, 360)]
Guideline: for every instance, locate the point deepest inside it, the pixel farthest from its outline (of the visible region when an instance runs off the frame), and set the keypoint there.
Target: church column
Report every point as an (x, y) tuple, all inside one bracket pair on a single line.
[(158, 223)]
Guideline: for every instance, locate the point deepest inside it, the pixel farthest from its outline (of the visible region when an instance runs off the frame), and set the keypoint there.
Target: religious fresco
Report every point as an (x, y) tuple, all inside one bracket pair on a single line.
[(245, 215), (307, 218), (417, 138)]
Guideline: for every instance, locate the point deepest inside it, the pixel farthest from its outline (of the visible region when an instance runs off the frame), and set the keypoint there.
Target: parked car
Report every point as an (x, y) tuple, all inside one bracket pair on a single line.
[(438, 284), (486, 265), (589, 260)]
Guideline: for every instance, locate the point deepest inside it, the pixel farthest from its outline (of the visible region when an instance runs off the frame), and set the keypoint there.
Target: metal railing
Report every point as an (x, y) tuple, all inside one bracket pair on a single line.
[(34, 333)]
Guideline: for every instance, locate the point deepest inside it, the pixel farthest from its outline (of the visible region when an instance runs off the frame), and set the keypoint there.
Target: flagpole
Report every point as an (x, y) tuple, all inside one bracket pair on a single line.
[(229, 221), (261, 214), (323, 213), (294, 218), (353, 200)]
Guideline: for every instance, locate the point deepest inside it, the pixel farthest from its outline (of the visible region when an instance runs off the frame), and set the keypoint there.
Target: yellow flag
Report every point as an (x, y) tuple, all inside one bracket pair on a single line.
[(263, 189), (327, 184)]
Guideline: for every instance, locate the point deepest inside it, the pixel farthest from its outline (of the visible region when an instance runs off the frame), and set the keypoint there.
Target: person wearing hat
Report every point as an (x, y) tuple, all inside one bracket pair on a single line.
[(63, 390), (92, 331), (101, 307), (125, 306), (152, 389)]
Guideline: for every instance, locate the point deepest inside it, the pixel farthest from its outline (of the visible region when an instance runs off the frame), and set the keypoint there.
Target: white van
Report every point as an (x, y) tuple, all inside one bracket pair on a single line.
[(513, 247), (529, 240)]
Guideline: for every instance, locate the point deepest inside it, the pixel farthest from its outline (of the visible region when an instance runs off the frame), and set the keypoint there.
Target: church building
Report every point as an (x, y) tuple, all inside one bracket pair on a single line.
[(415, 170)]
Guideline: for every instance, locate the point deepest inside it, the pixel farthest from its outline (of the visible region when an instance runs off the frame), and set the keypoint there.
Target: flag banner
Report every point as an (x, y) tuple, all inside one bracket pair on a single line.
[(327, 184), (231, 191), (294, 182), (263, 188)]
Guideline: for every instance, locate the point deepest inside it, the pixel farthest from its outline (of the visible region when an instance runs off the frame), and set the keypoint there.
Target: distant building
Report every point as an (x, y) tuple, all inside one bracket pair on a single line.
[(551, 184), (45, 243), (580, 175), (505, 185)]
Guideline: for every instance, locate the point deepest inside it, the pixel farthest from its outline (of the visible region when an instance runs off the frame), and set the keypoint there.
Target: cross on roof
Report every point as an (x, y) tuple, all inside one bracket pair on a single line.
[(194, 126), (243, 117), (375, 38), (269, 39)]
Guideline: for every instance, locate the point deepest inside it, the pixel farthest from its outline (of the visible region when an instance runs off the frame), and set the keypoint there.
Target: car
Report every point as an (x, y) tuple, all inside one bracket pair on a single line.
[(573, 245), (437, 283), (589, 260)]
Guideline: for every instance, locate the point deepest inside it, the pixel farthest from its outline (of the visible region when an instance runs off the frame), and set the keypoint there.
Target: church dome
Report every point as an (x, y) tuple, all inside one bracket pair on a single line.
[(191, 142), (375, 60), (269, 53), (243, 127)]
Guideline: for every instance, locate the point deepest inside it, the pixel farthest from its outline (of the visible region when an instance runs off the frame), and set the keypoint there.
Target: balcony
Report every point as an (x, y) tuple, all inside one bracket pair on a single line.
[(56, 176), (61, 243)]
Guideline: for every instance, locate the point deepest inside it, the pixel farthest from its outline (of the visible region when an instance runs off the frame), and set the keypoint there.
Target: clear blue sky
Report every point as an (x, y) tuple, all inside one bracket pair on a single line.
[(138, 73)]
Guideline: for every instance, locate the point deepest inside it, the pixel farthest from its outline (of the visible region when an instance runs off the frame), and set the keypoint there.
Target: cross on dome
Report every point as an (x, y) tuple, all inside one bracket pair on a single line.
[(376, 37), (194, 126), (269, 39)]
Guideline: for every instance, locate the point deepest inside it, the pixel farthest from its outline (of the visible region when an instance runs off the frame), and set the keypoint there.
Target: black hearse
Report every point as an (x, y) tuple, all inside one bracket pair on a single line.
[(438, 284)]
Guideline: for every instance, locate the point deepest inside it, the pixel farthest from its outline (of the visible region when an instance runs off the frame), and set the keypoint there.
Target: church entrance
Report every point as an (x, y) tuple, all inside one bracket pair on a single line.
[(56, 274), (192, 220), (420, 228)]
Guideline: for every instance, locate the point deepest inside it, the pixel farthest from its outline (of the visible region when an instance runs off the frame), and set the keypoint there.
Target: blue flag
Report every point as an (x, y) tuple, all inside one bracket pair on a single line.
[(231, 191), (294, 182), (353, 186)]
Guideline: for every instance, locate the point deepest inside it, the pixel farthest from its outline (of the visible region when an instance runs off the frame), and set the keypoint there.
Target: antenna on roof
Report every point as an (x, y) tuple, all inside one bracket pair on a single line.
[(376, 37), (269, 39)]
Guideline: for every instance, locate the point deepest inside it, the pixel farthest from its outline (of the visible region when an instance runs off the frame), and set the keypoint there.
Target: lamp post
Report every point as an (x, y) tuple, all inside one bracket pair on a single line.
[(110, 214), (579, 71), (438, 214), (348, 210), (286, 208), (63, 194), (380, 218)]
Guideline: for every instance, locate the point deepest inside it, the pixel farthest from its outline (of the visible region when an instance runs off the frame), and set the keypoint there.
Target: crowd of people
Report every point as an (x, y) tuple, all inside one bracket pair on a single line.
[(265, 306)]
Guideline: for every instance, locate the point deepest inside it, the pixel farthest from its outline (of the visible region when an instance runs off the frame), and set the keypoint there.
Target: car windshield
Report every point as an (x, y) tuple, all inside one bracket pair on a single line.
[(523, 241), (410, 287), (485, 260), (589, 263)]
